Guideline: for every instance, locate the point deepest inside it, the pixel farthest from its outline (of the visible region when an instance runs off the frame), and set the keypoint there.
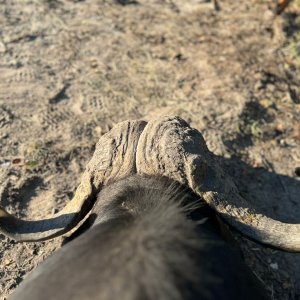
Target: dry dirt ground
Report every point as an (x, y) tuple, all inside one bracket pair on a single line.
[(70, 70)]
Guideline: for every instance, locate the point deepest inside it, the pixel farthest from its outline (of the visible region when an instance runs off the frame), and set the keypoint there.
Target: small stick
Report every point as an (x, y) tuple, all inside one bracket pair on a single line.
[(281, 5), (216, 5)]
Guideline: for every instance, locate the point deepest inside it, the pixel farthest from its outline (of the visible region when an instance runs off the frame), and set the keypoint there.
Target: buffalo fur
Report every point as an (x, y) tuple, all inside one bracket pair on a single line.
[(147, 238)]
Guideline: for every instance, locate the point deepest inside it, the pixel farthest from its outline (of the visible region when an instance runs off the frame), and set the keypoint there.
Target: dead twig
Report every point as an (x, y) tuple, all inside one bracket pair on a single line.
[(281, 6)]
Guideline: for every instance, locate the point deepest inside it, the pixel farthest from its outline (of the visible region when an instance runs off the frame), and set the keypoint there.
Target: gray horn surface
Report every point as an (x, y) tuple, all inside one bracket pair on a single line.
[(170, 147)]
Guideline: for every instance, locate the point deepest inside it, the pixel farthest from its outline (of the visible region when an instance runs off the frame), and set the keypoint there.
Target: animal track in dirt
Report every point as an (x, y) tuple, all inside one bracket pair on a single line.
[(52, 117), (22, 75), (94, 103)]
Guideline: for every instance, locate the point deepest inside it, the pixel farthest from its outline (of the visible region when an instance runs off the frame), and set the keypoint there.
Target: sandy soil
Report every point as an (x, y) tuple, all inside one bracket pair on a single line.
[(70, 70)]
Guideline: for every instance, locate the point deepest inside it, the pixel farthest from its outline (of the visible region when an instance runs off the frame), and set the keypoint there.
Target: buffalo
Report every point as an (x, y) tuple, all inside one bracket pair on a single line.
[(147, 222), (146, 237)]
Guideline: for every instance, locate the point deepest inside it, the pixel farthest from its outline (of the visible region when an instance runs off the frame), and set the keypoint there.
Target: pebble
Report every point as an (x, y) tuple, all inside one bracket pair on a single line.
[(2, 48), (274, 266), (5, 164)]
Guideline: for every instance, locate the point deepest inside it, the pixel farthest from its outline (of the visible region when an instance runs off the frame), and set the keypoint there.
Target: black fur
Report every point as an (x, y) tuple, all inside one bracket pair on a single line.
[(147, 238)]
